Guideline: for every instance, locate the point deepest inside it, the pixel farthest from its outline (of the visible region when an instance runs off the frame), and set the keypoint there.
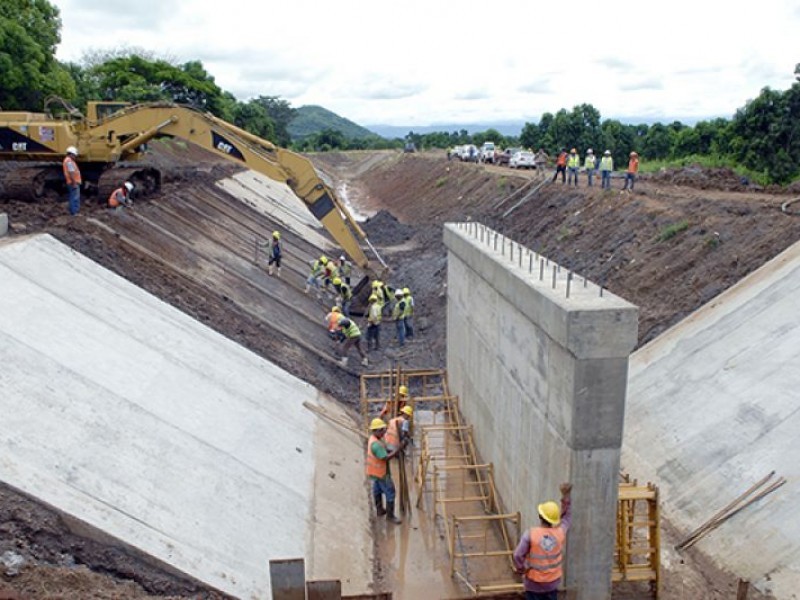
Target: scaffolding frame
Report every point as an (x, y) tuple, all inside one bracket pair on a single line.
[(637, 555)]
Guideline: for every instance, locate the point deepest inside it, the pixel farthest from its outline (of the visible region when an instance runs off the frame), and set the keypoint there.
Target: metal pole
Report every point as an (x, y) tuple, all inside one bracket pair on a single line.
[(541, 269), (555, 272)]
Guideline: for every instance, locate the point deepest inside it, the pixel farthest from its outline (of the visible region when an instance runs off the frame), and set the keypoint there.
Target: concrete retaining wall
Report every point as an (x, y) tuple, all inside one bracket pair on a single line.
[(542, 378)]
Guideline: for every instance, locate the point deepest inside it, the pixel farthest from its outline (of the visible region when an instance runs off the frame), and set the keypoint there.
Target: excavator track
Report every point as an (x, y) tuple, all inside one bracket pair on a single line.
[(146, 181), (32, 183)]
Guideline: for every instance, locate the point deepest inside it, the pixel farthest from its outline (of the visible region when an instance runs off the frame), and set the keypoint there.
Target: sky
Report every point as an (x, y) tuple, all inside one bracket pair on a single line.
[(426, 62)]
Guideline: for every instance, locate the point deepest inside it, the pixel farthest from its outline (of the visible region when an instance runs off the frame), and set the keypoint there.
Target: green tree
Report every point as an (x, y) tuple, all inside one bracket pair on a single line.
[(658, 141), (281, 113), (253, 117)]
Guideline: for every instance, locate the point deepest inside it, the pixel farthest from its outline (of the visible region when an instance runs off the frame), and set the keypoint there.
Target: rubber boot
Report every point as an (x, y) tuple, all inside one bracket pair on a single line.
[(390, 516), (379, 504), (278, 274)]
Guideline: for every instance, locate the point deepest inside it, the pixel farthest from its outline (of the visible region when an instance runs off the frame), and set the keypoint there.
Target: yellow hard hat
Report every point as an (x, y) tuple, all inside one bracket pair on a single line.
[(376, 284), (276, 235), (336, 309), (406, 292), (337, 281), (407, 410), (373, 298), (377, 424), (550, 512), (323, 259), (403, 390)]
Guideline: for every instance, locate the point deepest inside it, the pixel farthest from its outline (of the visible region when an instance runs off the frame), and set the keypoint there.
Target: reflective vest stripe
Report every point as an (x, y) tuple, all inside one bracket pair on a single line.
[(544, 559), (375, 466)]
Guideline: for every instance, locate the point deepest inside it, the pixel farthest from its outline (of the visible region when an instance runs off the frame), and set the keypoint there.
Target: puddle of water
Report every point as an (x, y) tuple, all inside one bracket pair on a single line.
[(343, 192)]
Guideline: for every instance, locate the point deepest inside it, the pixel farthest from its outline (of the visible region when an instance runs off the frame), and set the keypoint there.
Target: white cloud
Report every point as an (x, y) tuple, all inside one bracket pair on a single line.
[(422, 62)]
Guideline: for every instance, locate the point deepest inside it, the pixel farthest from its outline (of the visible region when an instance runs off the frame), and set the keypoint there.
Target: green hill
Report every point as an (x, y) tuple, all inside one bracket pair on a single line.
[(313, 119)]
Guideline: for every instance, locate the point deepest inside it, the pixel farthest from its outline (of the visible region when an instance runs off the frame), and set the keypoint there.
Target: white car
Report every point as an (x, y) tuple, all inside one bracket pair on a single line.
[(522, 160)]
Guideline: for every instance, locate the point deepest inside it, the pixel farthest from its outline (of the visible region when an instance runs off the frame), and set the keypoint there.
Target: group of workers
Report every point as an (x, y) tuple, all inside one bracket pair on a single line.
[(568, 165), (120, 197)]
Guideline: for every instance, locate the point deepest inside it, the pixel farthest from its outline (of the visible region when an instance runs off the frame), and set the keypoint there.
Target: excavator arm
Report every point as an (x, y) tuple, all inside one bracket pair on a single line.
[(120, 135)]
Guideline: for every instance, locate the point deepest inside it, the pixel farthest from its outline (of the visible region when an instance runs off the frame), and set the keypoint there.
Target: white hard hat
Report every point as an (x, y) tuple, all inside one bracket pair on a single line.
[(590, 151), (398, 292), (129, 186), (72, 150)]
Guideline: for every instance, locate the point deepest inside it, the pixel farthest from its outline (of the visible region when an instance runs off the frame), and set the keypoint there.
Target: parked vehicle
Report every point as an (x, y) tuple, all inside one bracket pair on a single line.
[(503, 158), (410, 147), (469, 153), (487, 152), (522, 160)]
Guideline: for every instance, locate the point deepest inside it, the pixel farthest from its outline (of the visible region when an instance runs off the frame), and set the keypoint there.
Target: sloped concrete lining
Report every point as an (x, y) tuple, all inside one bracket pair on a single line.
[(125, 413), (714, 407), (542, 378)]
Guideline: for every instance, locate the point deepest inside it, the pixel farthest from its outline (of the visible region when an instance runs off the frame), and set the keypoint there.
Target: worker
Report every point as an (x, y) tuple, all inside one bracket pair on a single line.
[(606, 168), (387, 292), (399, 429), (352, 337), (633, 168), (378, 292), (344, 295), (402, 400), (121, 196), (329, 273), (398, 316), (72, 177), (275, 253), (573, 164), (316, 274), (373, 323), (540, 160), (561, 166), (541, 551), (589, 165), (332, 323), (409, 314), (378, 457), (345, 269)]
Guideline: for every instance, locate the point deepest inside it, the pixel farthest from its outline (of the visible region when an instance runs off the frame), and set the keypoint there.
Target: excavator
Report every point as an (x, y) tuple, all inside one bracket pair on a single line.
[(111, 142)]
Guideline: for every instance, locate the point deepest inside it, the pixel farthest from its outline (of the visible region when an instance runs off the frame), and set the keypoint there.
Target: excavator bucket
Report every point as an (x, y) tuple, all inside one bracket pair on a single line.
[(362, 291)]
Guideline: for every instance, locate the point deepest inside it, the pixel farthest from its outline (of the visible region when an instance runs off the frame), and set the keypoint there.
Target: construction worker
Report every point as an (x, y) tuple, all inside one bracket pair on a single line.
[(409, 314), (121, 196), (352, 337), (329, 273), (606, 168), (378, 457), (573, 164), (633, 168), (72, 177), (387, 298), (332, 323), (402, 399), (589, 165), (377, 290), (399, 429), (561, 166), (275, 253), (345, 295), (374, 316), (540, 160), (316, 274), (540, 554), (398, 316), (345, 269)]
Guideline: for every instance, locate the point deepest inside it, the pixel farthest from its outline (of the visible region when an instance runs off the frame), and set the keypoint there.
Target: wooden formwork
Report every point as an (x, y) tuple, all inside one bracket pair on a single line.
[(637, 556)]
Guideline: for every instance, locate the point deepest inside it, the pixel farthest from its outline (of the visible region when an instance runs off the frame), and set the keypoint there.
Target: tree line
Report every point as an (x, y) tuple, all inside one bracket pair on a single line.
[(762, 138)]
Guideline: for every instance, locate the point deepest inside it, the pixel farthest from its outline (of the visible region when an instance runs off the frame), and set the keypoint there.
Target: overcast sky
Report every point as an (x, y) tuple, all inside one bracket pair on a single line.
[(424, 62)]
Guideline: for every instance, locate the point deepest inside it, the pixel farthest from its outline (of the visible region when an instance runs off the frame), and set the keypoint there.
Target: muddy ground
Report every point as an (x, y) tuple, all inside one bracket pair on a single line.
[(673, 245)]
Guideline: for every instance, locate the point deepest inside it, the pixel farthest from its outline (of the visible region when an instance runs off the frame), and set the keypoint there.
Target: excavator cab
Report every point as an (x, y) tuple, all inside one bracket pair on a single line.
[(95, 111)]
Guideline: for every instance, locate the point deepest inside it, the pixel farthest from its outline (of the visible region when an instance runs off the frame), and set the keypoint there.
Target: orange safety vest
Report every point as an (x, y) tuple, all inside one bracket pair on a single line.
[(112, 199), (633, 165), (561, 161), (72, 177), (376, 467), (333, 321), (392, 435), (545, 555)]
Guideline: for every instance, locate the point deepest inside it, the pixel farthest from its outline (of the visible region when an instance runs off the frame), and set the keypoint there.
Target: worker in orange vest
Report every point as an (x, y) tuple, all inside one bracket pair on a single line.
[(378, 457), (541, 551), (633, 168), (72, 177), (121, 196), (332, 322), (561, 166), (399, 429)]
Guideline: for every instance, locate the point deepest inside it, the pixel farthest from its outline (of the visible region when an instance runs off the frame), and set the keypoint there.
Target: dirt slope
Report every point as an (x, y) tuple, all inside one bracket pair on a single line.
[(668, 248)]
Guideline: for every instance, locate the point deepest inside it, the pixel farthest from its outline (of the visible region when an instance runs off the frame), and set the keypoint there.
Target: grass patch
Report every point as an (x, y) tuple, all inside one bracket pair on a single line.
[(709, 161), (672, 230), (440, 182)]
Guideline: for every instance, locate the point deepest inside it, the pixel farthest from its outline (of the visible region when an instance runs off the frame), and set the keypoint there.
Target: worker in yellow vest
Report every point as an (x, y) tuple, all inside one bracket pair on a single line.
[(573, 164), (541, 551), (378, 457)]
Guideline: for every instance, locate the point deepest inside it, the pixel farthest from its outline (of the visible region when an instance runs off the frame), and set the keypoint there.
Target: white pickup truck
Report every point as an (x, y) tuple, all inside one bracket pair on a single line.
[(487, 152)]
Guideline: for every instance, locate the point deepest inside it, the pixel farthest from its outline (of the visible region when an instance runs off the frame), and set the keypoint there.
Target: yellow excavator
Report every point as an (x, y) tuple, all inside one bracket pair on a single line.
[(112, 137)]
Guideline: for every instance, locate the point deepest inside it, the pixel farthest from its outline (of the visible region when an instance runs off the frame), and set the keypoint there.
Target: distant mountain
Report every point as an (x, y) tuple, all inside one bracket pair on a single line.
[(314, 119), (401, 131)]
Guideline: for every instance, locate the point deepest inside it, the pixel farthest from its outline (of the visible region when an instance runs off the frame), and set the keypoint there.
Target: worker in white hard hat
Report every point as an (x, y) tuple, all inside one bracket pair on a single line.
[(541, 551), (398, 429), (345, 269), (408, 317), (589, 164), (377, 463), (121, 196), (72, 178), (374, 317), (398, 316), (606, 168)]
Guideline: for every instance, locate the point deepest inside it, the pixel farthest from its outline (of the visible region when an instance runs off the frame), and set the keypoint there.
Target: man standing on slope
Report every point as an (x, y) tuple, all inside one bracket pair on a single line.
[(606, 167), (561, 166), (541, 551), (633, 168), (378, 458), (573, 164), (72, 177)]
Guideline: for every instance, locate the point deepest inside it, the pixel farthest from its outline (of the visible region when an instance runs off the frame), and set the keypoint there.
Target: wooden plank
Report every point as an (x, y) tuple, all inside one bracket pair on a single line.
[(288, 579)]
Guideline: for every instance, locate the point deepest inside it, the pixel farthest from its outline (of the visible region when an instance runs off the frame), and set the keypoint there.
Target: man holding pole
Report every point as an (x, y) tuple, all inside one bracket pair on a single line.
[(378, 457)]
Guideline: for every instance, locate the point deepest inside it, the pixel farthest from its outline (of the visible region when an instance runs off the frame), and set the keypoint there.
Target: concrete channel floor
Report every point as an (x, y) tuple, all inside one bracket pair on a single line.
[(130, 416), (713, 407)]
